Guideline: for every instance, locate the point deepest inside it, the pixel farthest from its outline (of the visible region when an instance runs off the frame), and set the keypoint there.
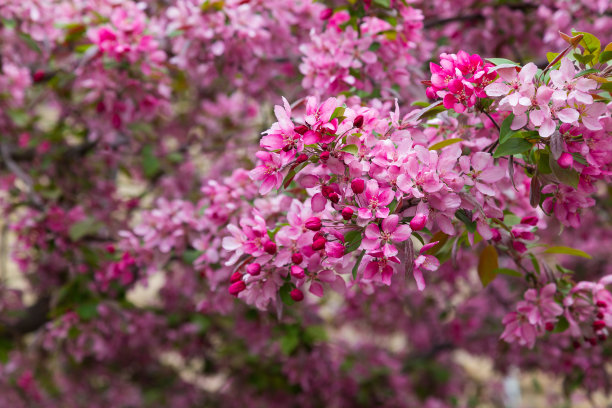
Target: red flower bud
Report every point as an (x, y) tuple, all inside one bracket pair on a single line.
[(38, 76), (297, 258), (496, 235), (418, 222), (358, 121), (236, 276), (237, 287), (301, 158), (598, 325), (358, 186), (565, 161), (529, 220), (334, 198), (550, 326), (296, 295), (326, 191), (270, 247), (313, 223), (601, 303), (297, 272), (301, 129), (318, 244), (326, 14), (347, 213), (324, 156), (317, 236), (287, 148), (253, 269)]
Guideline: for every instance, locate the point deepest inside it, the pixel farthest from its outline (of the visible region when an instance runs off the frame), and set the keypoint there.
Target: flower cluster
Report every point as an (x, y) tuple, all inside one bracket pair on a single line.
[(459, 80)]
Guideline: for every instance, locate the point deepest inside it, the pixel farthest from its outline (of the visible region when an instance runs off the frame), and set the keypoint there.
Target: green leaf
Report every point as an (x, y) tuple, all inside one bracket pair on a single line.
[(568, 177), (487, 265), (383, 3), (339, 111), (512, 146), (80, 229), (87, 311), (591, 44), (352, 149), (605, 56), (444, 143), (586, 72), (314, 334), (285, 294), (352, 240), (357, 263), (550, 56), (562, 325), (463, 216), (150, 163), (175, 33), (30, 42), (509, 272), (290, 341), (190, 255), (567, 251), (584, 59), (505, 132), (499, 61)]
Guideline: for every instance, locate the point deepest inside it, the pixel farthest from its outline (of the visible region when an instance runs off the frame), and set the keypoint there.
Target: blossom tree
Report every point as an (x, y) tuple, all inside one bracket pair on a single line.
[(328, 203)]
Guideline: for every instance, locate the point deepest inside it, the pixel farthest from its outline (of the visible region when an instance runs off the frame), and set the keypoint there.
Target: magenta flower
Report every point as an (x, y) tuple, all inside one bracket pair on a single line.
[(269, 170), (378, 269), (282, 134), (376, 201), (426, 262), (390, 231), (481, 171)]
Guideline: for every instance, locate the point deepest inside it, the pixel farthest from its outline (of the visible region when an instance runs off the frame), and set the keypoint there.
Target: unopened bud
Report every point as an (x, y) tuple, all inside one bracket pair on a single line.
[(296, 295), (358, 186), (297, 258), (237, 287), (270, 247), (565, 161), (347, 213), (358, 121), (253, 269), (297, 272), (313, 224)]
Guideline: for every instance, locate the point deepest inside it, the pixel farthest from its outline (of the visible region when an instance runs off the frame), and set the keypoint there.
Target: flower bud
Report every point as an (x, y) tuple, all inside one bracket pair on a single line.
[(237, 287), (287, 148), (326, 14), (301, 129), (253, 269), (296, 295), (347, 213), (236, 276), (529, 220), (270, 247), (317, 236), (418, 222), (358, 121), (598, 325), (519, 247), (601, 303), (297, 272), (550, 326), (324, 156), (313, 223), (565, 161), (496, 235), (334, 198), (38, 76), (301, 158), (318, 244), (358, 186), (297, 258), (326, 191)]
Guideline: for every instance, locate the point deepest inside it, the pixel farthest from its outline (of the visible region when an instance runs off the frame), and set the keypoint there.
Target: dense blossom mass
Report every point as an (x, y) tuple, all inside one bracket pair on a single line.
[(296, 203)]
